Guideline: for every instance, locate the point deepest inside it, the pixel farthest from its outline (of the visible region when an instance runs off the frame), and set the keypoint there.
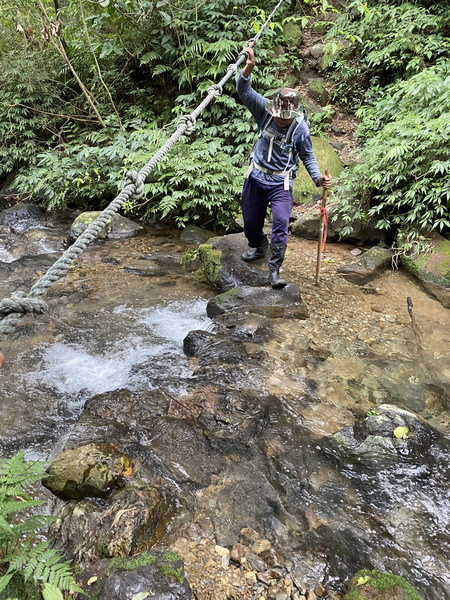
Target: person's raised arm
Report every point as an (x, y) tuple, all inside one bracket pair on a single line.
[(250, 63)]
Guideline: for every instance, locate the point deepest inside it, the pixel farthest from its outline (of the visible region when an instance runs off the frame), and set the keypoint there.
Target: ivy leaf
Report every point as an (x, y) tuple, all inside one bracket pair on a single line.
[(401, 433), (363, 580)]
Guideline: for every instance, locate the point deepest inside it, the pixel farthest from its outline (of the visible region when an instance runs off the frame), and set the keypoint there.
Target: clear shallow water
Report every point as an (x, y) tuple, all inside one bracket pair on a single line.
[(103, 321), (44, 387)]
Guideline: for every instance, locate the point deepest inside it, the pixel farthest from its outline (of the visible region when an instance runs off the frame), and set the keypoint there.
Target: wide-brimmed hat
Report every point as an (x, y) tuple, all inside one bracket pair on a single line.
[(285, 104)]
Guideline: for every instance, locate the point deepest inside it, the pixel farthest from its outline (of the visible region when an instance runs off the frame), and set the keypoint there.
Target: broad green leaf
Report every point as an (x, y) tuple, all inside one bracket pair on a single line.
[(51, 592)]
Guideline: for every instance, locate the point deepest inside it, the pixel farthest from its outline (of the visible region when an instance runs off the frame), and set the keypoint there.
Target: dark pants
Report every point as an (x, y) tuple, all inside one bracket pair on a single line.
[(256, 197)]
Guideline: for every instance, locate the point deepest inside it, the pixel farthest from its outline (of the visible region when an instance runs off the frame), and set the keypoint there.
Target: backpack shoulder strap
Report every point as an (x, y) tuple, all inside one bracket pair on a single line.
[(265, 124)]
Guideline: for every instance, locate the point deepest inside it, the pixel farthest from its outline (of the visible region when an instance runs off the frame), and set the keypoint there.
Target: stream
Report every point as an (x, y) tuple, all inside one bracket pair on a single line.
[(118, 320)]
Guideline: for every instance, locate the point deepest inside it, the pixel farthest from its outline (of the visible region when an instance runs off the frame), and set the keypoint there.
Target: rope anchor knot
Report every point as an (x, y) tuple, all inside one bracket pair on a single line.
[(20, 303), (134, 178)]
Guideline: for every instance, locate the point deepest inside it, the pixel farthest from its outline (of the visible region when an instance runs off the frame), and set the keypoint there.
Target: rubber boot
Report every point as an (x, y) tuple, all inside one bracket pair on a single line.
[(277, 252), (258, 252)]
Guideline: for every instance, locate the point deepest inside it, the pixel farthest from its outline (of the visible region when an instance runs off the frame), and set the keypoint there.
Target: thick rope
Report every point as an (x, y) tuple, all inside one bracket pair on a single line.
[(20, 303)]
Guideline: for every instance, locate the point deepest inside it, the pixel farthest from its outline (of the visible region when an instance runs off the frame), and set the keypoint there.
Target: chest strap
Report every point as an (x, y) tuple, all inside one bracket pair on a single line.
[(284, 174)]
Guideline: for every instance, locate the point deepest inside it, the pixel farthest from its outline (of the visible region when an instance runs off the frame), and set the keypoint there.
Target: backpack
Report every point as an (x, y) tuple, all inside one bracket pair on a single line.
[(284, 140)]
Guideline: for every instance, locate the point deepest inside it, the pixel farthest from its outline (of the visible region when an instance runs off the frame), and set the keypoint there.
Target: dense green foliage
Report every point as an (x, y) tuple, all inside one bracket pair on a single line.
[(404, 180), (29, 567), (394, 67), (111, 84), (91, 90)]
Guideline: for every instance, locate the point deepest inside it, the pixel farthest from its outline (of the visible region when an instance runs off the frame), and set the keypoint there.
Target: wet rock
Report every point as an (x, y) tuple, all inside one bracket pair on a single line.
[(119, 226), (144, 268), (376, 585), (128, 408), (368, 266), (408, 433), (195, 234), (162, 579), (211, 349), (91, 470), (243, 327), (285, 303), (224, 267), (386, 435), (131, 520), (21, 217), (432, 267)]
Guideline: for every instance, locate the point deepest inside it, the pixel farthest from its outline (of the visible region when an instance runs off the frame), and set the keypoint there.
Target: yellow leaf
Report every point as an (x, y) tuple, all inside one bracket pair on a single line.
[(363, 580), (92, 580), (401, 432)]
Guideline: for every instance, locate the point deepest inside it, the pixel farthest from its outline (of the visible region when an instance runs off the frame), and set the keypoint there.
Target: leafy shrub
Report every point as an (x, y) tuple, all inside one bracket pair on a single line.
[(376, 42), (404, 179), (29, 567)]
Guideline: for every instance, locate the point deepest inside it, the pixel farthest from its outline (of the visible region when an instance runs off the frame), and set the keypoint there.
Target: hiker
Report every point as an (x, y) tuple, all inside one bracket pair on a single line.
[(283, 138)]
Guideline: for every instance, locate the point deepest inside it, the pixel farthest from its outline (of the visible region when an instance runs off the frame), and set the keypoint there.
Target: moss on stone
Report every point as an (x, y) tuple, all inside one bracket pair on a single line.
[(211, 261), (171, 557), (172, 573), (304, 188), (433, 267), (132, 563), (366, 582)]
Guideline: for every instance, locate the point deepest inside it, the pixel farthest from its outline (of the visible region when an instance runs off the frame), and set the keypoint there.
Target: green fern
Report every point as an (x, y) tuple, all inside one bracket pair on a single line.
[(26, 561)]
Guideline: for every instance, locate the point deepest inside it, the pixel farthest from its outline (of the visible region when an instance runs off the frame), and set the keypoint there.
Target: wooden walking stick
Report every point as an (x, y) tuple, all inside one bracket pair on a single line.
[(322, 230)]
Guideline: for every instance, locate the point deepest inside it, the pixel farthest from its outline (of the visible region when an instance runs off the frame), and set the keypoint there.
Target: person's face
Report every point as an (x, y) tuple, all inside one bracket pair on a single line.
[(282, 122)]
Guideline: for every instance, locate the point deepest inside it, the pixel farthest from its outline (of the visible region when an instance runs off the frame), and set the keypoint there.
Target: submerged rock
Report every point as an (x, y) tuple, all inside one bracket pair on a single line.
[(368, 266), (432, 268)]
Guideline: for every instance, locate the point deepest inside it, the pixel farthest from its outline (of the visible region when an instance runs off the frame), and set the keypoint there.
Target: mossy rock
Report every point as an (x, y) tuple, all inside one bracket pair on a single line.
[(90, 470), (317, 91), (377, 585), (432, 267), (304, 188), (292, 34), (211, 261)]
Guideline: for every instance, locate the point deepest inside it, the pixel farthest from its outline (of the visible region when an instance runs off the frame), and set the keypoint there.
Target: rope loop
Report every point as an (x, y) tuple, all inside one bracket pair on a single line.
[(134, 178), (232, 67), (189, 121), (21, 303), (217, 88)]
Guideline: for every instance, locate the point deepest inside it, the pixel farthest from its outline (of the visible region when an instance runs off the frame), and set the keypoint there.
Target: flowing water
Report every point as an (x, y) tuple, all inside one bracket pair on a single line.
[(130, 303)]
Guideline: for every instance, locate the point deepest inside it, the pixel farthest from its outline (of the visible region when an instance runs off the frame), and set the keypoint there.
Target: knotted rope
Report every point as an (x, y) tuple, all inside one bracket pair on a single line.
[(133, 188)]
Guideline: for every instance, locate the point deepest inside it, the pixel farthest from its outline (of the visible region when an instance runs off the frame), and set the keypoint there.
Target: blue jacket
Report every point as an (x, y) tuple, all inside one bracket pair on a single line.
[(280, 160)]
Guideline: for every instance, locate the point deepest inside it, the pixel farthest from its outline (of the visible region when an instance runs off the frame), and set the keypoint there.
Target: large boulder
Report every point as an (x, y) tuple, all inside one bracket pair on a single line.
[(304, 189), (119, 226), (91, 470), (21, 217), (432, 267), (224, 267), (307, 222), (284, 303)]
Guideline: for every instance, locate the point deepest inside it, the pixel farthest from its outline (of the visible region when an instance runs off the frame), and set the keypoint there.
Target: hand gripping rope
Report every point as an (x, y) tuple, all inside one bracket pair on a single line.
[(12, 309)]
